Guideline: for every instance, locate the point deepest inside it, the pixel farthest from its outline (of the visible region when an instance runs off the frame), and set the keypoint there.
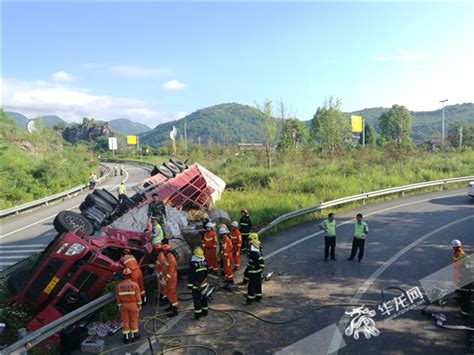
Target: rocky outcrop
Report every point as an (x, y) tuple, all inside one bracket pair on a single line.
[(86, 132)]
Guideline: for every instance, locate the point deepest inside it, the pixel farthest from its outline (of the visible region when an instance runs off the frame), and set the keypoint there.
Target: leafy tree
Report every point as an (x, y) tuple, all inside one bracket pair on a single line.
[(396, 125), (293, 132), (269, 128), (370, 135), (330, 126)]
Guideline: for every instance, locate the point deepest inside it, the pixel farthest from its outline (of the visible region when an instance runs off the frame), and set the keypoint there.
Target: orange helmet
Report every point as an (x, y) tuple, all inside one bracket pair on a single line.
[(166, 248), (127, 273), (157, 247), (126, 251)]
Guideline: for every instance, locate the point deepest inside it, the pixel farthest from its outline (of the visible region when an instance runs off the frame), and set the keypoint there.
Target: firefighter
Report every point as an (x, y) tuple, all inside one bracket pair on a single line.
[(121, 191), (129, 261), (361, 230), (226, 256), (252, 236), (157, 209), (236, 238), (197, 282), (129, 302), (209, 244), (254, 271), (160, 275), (329, 226), (171, 280), (465, 286), (245, 227), (458, 255)]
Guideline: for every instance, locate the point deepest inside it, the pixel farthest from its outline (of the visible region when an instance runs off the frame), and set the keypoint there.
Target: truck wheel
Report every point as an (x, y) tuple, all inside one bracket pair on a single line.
[(154, 171), (163, 170), (71, 221), (179, 164), (95, 201), (107, 197), (174, 168)]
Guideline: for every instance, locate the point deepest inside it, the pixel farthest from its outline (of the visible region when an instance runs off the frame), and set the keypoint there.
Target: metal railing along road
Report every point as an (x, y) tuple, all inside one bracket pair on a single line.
[(48, 199), (362, 197), (59, 324)]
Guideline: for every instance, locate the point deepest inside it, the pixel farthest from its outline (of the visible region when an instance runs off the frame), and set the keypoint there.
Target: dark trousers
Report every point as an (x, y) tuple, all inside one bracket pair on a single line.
[(200, 301), (357, 243), (245, 242), (254, 289), (330, 243)]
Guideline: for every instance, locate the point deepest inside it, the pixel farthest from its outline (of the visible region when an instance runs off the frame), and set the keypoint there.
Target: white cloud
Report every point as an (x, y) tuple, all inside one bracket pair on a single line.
[(181, 114), (39, 98), (129, 71), (174, 85), (62, 77), (403, 55)]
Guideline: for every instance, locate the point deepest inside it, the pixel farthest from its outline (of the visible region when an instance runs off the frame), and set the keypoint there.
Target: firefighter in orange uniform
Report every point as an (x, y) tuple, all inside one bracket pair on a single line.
[(129, 261), (129, 302), (209, 244), (160, 274), (226, 256), (236, 238), (171, 273)]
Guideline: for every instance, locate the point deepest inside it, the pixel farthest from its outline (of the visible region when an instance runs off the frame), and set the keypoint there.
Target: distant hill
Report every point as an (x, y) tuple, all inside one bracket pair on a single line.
[(127, 127), (49, 121), (426, 124), (19, 119), (228, 123)]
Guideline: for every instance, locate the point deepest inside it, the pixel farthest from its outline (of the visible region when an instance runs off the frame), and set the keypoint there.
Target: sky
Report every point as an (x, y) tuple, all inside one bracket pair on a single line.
[(155, 62)]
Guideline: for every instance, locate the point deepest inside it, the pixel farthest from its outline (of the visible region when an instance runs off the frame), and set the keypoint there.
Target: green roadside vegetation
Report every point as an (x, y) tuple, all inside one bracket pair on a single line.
[(39, 164)]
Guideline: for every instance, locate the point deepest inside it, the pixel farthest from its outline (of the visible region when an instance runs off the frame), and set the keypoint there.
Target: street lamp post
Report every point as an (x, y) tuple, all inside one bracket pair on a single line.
[(442, 134)]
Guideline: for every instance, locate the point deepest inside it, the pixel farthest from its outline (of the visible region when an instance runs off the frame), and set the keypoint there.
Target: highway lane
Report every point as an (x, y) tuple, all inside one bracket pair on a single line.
[(408, 240), (28, 233)]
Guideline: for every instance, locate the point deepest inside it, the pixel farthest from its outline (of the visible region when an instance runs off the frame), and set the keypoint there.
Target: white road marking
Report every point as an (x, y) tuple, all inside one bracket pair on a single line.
[(278, 251), (22, 246), (2, 252), (54, 215)]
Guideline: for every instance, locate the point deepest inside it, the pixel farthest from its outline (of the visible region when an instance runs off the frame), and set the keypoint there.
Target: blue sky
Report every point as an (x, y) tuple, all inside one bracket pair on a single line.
[(153, 62)]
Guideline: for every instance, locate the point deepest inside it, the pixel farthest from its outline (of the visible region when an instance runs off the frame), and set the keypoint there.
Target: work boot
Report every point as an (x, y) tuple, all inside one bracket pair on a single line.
[(126, 338), (169, 309), (350, 258), (197, 316), (135, 337), (174, 311), (334, 259), (247, 302), (205, 312), (258, 298), (163, 301)]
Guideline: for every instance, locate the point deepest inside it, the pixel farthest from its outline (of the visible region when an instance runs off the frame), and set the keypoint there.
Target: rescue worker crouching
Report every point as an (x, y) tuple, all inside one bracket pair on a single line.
[(226, 257), (129, 261), (127, 294), (171, 273), (254, 271), (197, 282), (236, 238)]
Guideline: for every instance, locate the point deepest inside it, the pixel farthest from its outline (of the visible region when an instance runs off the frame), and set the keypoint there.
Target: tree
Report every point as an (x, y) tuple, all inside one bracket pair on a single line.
[(269, 128), (370, 135), (293, 132), (330, 126), (396, 125)]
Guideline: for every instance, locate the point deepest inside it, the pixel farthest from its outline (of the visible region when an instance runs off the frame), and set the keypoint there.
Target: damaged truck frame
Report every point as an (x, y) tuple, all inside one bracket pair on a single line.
[(84, 256)]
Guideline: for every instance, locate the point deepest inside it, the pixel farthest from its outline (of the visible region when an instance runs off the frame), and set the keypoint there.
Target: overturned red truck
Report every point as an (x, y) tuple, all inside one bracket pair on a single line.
[(84, 255)]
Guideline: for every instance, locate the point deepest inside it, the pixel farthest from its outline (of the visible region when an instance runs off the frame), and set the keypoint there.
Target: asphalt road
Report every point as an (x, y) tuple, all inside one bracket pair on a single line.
[(28, 233), (408, 240)]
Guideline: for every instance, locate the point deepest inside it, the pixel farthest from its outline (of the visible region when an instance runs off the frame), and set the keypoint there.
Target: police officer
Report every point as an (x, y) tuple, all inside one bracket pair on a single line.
[(121, 191), (197, 282), (361, 230), (329, 226)]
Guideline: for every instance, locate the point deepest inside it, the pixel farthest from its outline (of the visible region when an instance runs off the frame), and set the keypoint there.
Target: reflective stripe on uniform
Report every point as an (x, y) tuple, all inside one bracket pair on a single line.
[(126, 293), (255, 271), (127, 261), (201, 269)]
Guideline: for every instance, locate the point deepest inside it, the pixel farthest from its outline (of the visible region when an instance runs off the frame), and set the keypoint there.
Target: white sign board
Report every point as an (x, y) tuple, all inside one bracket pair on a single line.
[(112, 143)]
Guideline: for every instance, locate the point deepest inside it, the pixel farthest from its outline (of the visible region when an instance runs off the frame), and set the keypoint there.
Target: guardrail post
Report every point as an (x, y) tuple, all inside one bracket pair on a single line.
[(402, 194), (46, 203)]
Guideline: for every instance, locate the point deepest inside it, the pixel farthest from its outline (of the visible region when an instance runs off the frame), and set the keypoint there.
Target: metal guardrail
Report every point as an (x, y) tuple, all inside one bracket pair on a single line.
[(130, 162), (59, 324), (362, 197), (48, 199)]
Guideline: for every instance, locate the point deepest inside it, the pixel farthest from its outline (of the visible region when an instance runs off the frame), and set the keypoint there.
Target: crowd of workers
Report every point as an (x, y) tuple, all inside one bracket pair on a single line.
[(218, 239)]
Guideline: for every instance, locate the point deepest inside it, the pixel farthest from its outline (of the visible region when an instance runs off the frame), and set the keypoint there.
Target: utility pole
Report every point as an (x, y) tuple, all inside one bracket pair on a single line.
[(185, 137), (460, 137), (442, 134), (363, 132)]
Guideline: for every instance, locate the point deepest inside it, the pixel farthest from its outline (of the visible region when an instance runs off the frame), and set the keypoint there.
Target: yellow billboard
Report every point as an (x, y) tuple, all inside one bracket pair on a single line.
[(356, 124), (131, 140)]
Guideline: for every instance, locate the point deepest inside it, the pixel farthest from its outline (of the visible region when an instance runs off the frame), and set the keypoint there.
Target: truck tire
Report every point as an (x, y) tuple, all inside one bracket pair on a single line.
[(179, 164), (95, 201), (163, 170), (71, 221), (173, 167), (154, 171), (107, 197)]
